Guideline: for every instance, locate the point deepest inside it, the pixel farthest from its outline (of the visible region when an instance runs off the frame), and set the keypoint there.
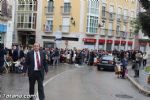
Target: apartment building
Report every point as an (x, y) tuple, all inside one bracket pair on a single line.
[(93, 24)]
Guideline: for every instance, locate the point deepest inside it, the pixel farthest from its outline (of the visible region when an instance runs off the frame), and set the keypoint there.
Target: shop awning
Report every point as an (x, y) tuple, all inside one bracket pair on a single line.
[(110, 41), (101, 41), (3, 28), (123, 42), (89, 40), (130, 42), (117, 41), (142, 43)]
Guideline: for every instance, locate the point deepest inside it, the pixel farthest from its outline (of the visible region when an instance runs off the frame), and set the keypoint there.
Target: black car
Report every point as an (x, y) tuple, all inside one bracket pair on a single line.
[(106, 62)]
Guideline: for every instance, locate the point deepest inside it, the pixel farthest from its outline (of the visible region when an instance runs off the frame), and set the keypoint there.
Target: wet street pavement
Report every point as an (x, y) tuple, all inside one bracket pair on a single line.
[(68, 82)]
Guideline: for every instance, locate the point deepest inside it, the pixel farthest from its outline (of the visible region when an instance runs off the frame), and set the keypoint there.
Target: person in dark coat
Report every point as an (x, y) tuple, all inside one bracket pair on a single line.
[(91, 59), (2, 54), (36, 66)]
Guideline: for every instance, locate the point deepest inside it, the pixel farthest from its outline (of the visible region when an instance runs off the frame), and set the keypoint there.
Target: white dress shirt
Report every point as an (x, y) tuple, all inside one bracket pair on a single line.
[(35, 60)]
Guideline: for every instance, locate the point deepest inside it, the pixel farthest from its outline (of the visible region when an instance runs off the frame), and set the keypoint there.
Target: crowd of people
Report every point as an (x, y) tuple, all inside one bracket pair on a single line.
[(15, 57)]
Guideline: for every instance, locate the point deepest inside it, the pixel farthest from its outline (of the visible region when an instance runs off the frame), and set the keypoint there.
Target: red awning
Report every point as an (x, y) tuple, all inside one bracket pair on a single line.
[(101, 41), (110, 41), (143, 43), (117, 41), (89, 40), (130, 42), (123, 42)]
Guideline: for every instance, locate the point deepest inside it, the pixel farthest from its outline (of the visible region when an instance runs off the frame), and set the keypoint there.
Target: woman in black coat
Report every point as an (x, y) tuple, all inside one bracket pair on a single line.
[(2, 53)]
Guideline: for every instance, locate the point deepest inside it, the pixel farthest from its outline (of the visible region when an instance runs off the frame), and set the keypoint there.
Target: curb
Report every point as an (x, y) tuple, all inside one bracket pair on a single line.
[(138, 86)]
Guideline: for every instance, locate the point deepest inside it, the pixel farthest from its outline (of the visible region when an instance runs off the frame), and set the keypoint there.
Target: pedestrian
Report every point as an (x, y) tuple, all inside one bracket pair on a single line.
[(36, 65), (135, 67), (2, 55), (124, 62), (145, 57)]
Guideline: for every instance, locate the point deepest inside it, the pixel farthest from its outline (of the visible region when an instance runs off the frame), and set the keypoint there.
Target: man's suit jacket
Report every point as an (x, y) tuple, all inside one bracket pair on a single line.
[(30, 63)]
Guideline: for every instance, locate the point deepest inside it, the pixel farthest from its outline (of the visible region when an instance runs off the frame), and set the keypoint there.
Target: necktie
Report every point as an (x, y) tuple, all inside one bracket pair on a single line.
[(38, 61)]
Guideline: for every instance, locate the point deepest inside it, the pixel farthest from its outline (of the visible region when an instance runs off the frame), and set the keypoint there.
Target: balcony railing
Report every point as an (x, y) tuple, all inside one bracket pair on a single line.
[(49, 10), (48, 28), (66, 10), (65, 28)]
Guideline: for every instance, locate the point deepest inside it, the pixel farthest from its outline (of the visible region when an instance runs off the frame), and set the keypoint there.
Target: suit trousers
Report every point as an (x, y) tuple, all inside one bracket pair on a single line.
[(36, 76)]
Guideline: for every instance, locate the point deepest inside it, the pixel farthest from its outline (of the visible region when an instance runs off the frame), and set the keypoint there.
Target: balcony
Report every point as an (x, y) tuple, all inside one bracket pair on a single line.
[(110, 33), (66, 10), (48, 28), (65, 28), (49, 10)]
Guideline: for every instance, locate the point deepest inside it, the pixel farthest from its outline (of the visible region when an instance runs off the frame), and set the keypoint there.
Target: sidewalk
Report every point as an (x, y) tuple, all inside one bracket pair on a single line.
[(141, 82)]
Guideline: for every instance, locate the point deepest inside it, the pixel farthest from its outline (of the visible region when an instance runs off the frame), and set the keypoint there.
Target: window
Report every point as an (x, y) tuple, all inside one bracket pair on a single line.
[(65, 24), (118, 30), (49, 26), (92, 24), (111, 11), (119, 13), (110, 32), (67, 7), (125, 13), (26, 20), (93, 7), (104, 10), (26, 5), (50, 6)]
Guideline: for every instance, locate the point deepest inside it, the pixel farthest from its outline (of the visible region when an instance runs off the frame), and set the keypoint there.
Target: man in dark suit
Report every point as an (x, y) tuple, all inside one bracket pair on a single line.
[(36, 65)]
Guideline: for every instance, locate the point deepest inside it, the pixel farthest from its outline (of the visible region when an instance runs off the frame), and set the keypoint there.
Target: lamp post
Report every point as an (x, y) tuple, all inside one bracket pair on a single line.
[(98, 36)]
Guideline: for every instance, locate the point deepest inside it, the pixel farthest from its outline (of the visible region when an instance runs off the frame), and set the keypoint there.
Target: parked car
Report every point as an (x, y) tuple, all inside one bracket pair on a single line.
[(106, 62)]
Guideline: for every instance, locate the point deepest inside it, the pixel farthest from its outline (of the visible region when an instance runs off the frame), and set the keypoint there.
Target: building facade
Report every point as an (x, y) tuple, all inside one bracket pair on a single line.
[(93, 24), (5, 22), (26, 19)]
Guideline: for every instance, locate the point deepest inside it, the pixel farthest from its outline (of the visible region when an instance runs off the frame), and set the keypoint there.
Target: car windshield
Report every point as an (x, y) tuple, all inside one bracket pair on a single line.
[(107, 58)]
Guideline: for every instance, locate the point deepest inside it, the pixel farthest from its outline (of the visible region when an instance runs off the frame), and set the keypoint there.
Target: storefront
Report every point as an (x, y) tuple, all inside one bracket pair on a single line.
[(116, 44), (101, 44), (129, 47), (3, 29), (143, 46), (109, 45), (123, 43), (89, 43)]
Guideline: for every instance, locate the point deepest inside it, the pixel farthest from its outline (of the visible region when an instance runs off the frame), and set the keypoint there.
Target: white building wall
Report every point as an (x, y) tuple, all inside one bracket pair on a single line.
[(9, 35), (39, 23)]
